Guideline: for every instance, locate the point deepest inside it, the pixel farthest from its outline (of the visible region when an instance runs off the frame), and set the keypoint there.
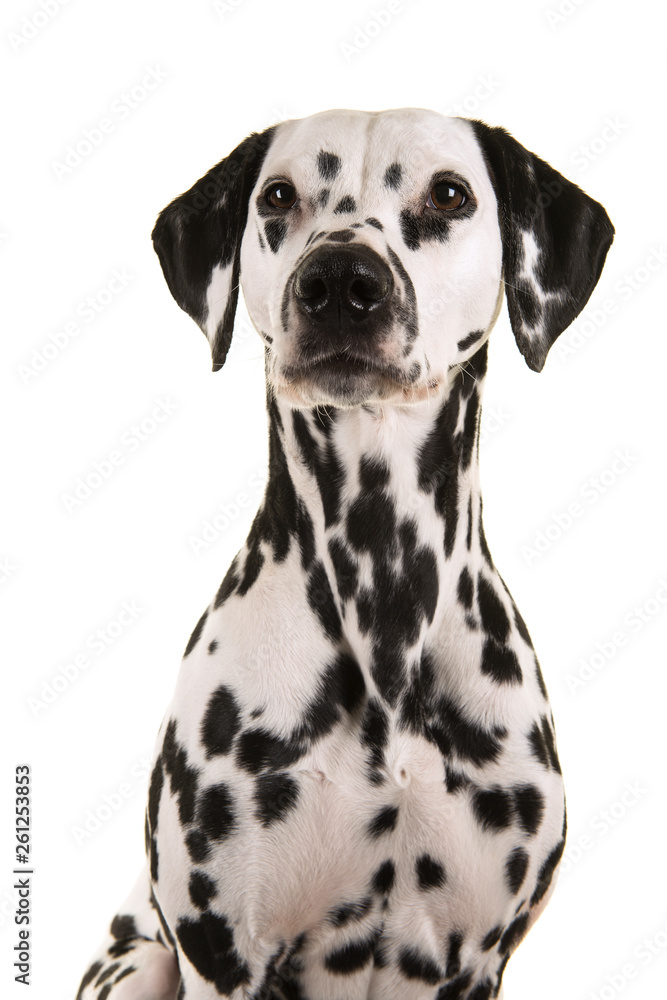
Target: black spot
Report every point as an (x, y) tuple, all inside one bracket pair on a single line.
[(120, 948), (471, 339), (108, 972), (469, 432), (492, 610), (328, 165), (414, 965), (469, 534), (183, 778), (345, 205), (258, 749), (393, 175), (321, 601), (546, 873), (538, 747), (88, 978), (228, 585), (213, 645), (275, 795), (418, 228), (196, 634), (430, 873), (513, 934), (383, 879), (456, 990), (529, 804), (493, 808), (540, 680), (342, 236), (154, 793), (215, 812), (384, 821), (209, 944), (500, 663), (104, 992), (550, 744), (126, 972), (197, 845), (348, 912), (221, 722), (454, 780), (323, 463), (516, 867), (323, 198), (454, 954), (466, 588), (123, 927), (483, 991), (453, 733), (202, 889), (374, 734), (491, 939), (372, 221), (276, 231), (344, 568), (351, 957), (374, 474)]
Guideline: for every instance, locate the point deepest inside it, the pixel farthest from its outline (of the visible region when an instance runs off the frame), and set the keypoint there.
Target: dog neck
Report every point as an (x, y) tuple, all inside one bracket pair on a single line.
[(381, 507)]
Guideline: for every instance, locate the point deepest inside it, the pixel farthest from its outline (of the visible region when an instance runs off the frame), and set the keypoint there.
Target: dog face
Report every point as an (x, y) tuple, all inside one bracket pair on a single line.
[(373, 249)]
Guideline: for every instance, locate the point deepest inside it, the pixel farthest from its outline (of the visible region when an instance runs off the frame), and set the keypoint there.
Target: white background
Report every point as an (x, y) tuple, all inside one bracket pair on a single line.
[(584, 89)]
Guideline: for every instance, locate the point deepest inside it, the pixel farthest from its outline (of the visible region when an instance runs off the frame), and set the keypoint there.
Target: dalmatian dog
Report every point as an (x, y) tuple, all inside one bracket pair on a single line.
[(356, 793)]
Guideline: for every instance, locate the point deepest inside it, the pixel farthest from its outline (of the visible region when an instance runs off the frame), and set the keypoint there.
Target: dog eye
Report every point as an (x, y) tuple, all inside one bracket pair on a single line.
[(446, 196), (281, 195)]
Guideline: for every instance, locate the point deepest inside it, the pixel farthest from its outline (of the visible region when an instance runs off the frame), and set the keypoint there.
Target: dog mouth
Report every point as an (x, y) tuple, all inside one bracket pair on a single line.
[(350, 380)]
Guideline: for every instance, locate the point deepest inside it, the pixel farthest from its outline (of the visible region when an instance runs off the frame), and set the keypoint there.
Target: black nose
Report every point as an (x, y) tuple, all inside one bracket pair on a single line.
[(335, 284)]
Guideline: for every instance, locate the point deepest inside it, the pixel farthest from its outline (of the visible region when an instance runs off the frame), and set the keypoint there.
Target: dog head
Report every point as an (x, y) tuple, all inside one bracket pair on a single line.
[(373, 250)]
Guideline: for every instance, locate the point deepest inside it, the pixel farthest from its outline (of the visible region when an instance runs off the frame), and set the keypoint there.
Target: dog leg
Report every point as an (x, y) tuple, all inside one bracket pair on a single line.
[(135, 960)]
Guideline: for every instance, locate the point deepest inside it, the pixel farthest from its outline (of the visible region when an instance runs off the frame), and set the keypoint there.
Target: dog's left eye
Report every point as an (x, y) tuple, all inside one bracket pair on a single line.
[(281, 195), (446, 196)]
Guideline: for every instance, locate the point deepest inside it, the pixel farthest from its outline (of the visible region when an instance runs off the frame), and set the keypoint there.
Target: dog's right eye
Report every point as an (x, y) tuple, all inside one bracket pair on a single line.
[(281, 195)]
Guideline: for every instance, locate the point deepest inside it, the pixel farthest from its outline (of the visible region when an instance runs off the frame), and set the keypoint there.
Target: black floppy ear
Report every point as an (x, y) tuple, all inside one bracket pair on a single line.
[(555, 240), (198, 240)]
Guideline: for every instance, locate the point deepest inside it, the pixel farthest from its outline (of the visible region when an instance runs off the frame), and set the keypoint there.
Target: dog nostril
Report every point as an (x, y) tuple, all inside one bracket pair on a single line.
[(312, 289), (366, 291)]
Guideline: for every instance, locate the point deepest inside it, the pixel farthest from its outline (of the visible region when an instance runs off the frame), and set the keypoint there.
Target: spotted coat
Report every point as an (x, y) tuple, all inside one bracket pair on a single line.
[(356, 792)]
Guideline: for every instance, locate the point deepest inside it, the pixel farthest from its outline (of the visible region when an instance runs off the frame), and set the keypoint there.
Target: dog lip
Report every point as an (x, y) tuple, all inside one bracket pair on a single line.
[(345, 364)]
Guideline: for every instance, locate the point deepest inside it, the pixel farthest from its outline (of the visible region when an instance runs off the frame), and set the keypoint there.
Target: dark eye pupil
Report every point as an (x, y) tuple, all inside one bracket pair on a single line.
[(281, 196), (445, 195)]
